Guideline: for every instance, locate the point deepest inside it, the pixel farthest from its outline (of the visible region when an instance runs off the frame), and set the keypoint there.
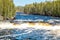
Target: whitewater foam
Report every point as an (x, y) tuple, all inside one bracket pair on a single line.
[(28, 25)]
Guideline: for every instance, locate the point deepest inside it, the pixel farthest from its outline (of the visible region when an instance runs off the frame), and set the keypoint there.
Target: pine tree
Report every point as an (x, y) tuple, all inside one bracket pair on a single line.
[(7, 8)]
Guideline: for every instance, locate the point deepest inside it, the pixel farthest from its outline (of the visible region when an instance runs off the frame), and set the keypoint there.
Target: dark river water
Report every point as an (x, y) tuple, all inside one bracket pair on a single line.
[(22, 16)]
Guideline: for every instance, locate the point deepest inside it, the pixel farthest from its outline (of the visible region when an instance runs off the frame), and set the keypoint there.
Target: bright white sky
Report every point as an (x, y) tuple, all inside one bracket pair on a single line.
[(24, 2)]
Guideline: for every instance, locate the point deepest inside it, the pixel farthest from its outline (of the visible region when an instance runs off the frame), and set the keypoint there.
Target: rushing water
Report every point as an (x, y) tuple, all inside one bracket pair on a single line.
[(30, 33), (22, 16)]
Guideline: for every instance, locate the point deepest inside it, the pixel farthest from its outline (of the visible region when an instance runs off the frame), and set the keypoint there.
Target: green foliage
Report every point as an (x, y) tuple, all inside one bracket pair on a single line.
[(46, 8), (19, 8), (7, 8)]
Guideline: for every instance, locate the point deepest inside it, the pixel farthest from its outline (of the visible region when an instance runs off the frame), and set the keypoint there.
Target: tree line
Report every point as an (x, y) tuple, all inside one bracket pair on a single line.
[(7, 9), (19, 9), (44, 8)]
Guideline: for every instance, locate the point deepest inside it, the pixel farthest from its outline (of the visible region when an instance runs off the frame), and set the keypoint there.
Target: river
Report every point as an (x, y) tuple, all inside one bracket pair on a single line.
[(35, 18), (31, 33)]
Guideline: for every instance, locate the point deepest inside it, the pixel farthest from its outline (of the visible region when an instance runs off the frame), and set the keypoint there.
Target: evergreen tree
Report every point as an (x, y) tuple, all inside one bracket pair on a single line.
[(7, 8), (48, 8)]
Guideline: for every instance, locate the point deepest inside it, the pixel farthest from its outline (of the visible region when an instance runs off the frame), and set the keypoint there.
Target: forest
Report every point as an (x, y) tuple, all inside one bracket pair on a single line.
[(44, 8), (7, 9), (47, 8)]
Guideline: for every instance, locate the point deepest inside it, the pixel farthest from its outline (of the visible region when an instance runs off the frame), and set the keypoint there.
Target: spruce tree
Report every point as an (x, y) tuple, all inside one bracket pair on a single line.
[(7, 9)]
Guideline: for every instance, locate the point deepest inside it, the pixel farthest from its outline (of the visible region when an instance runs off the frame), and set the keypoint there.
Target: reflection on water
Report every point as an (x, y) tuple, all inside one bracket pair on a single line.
[(29, 34)]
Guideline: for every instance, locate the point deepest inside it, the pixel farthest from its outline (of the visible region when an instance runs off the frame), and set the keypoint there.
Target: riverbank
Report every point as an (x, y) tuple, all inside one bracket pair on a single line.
[(8, 25)]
